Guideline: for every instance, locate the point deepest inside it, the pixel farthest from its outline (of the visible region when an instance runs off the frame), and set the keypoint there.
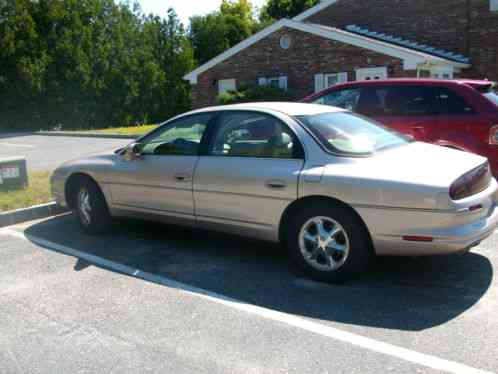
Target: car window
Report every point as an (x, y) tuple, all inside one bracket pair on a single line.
[(351, 134), (181, 137), (253, 134), (449, 102), (492, 95), (396, 101), (347, 99)]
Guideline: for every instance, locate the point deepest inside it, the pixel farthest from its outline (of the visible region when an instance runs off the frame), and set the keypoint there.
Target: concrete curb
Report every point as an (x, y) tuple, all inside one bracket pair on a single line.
[(75, 134), (29, 214)]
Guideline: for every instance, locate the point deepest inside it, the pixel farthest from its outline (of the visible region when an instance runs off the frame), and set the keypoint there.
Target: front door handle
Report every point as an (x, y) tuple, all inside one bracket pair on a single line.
[(182, 177), (276, 184)]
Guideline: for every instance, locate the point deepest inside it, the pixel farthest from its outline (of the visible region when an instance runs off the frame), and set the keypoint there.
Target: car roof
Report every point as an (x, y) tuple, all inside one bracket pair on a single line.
[(288, 108), (428, 81), (474, 83)]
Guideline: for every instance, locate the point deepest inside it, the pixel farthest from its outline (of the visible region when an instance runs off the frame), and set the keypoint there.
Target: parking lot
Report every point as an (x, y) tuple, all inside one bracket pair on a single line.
[(155, 298), (48, 152)]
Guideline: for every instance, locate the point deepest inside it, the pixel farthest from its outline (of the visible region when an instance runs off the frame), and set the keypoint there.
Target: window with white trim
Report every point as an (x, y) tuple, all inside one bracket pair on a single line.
[(323, 81), (277, 82), (493, 5), (225, 85), (436, 72)]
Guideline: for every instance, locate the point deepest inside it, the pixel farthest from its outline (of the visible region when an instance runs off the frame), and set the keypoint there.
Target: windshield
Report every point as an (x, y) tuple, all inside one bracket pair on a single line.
[(351, 134), (493, 95)]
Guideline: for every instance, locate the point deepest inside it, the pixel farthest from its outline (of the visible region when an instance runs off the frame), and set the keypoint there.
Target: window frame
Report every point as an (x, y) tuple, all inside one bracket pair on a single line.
[(432, 113), (439, 90), (298, 148), (282, 82), (172, 122), (232, 83), (332, 90)]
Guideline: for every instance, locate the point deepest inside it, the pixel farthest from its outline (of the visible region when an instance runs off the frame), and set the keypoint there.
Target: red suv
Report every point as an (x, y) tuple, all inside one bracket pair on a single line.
[(461, 114)]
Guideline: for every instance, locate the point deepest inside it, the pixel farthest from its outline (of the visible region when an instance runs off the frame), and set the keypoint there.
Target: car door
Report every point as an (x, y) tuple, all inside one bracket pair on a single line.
[(406, 109), (456, 121), (160, 179), (249, 174)]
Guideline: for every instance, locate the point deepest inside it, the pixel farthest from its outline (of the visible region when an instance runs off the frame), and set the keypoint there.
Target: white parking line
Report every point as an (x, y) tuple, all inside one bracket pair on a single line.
[(17, 145), (291, 320)]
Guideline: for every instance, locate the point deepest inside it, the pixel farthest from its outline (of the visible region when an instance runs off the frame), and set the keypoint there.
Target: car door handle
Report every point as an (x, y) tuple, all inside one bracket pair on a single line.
[(181, 177), (276, 184)]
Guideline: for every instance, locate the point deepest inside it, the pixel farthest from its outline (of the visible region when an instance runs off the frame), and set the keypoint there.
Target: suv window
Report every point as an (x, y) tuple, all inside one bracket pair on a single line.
[(347, 98), (492, 95), (396, 101), (181, 137), (449, 102), (253, 134)]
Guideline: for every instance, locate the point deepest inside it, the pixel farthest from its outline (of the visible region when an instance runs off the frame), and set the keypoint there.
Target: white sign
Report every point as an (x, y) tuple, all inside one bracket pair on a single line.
[(10, 173)]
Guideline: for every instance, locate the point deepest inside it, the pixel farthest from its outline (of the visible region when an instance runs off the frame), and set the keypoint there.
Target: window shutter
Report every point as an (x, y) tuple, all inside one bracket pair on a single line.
[(343, 77), (319, 82), (262, 81), (282, 83)]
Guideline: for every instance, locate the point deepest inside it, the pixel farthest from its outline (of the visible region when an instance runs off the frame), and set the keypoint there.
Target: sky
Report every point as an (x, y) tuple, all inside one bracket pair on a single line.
[(185, 8)]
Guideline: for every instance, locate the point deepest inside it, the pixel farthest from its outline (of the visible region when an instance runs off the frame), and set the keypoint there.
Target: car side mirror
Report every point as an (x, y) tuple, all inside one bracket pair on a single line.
[(133, 151)]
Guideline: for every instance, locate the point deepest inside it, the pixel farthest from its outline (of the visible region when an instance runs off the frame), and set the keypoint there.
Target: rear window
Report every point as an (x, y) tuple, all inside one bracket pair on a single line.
[(351, 134)]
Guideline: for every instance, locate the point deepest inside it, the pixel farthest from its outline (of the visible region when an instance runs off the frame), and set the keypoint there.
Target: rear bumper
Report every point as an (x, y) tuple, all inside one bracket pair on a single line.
[(452, 232), (450, 240)]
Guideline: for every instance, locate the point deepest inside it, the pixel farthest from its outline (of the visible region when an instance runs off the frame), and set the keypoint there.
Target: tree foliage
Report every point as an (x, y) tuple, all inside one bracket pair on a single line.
[(89, 63), (215, 32), (278, 9)]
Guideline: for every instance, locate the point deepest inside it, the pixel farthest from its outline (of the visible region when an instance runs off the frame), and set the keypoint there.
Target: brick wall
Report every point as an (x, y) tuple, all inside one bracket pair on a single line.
[(464, 26), (307, 56)]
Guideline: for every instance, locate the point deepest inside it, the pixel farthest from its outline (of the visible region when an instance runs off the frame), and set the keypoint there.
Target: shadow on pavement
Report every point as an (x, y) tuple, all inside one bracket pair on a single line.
[(396, 293)]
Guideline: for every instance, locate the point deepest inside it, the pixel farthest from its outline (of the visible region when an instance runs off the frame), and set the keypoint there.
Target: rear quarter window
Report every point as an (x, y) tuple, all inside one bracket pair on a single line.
[(492, 95)]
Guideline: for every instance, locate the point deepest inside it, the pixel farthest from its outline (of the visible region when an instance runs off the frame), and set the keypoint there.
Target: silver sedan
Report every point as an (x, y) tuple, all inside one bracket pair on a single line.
[(333, 187)]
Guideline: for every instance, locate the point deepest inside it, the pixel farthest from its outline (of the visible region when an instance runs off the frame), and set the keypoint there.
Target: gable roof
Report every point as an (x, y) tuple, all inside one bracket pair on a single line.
[(408, 43), (312, 11), (410, 57)]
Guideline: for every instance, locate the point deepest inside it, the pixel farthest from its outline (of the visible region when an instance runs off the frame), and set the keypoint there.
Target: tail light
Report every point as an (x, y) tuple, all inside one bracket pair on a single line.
[(493, 135), (470, 183)]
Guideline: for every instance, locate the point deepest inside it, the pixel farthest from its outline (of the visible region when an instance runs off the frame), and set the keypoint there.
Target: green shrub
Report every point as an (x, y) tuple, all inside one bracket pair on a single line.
[(255, 94)]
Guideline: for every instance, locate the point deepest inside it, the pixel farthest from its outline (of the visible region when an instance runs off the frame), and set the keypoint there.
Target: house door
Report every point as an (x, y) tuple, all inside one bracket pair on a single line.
[(368, 74)]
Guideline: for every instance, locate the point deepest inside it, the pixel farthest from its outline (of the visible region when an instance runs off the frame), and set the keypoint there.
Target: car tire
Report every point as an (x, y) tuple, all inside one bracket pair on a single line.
[(340, 257), (90, 208)]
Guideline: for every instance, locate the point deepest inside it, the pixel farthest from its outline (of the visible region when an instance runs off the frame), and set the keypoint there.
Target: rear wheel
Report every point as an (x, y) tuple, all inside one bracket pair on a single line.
[(91, 208), (329, 243)]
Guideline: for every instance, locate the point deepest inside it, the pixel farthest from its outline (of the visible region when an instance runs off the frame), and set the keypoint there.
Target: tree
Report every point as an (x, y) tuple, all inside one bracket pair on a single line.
[(89, 63), (278, 9), (214, 33)]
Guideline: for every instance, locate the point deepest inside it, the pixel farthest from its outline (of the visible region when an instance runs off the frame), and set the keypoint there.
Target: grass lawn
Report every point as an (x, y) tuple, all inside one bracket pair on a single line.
[(132, 130), (38, 192)]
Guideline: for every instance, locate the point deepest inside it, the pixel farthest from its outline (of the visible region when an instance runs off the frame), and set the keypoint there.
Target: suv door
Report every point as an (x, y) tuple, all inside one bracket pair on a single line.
[(458, 121), (160, 180), (408, 109), (249, 175)]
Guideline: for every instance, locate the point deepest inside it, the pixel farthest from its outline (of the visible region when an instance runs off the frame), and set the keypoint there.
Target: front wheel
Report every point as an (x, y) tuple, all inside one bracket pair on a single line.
[(91, 208), (329, 243)]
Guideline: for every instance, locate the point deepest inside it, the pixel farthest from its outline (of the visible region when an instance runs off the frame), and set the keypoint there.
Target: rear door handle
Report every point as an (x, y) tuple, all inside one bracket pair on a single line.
[(276, 184), (182, 177)]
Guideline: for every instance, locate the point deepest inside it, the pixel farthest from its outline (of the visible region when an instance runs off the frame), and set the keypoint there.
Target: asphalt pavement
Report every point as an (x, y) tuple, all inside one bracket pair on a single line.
[(151, 298), (45, 153)]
